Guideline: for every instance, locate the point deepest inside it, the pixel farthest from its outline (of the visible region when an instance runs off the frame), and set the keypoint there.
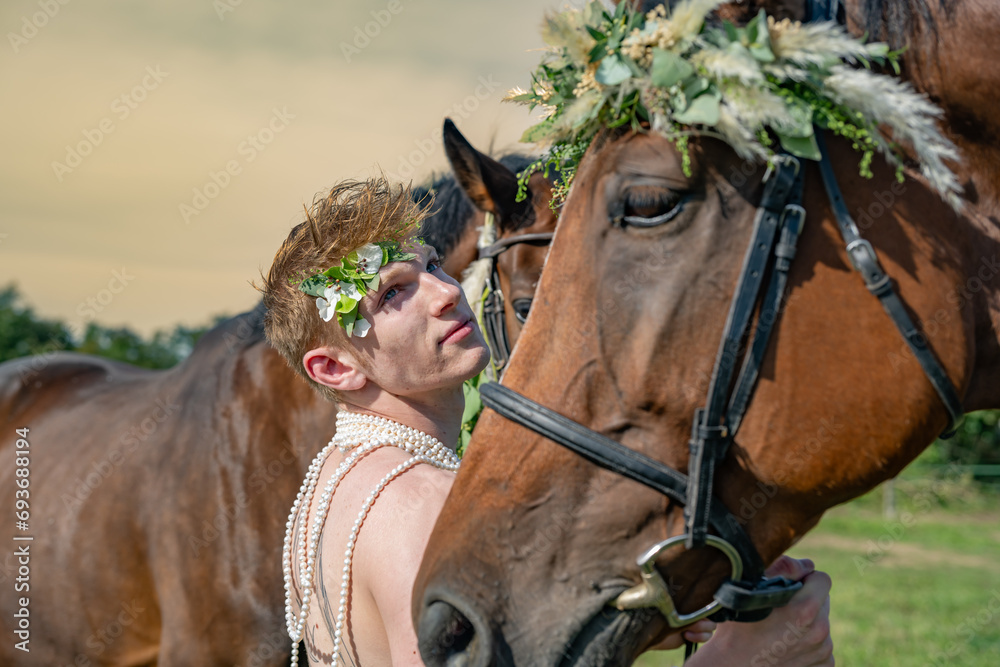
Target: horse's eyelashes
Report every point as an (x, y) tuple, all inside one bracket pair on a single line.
[(645, 197), (650, 206)]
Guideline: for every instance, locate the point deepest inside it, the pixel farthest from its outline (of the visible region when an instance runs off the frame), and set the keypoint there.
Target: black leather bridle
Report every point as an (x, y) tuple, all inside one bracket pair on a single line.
[(746, 595), (494, 320)]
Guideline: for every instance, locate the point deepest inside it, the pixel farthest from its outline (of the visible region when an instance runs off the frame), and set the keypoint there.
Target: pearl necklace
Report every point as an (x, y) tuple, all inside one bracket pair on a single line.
[(357, 436)]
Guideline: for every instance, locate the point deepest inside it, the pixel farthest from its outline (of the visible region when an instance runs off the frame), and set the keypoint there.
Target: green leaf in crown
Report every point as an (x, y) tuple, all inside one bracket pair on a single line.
[(678, 75), (339, 289)]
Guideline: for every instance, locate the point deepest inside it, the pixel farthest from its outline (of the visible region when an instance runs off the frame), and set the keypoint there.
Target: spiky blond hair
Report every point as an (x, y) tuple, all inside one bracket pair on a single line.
[(350, 215)]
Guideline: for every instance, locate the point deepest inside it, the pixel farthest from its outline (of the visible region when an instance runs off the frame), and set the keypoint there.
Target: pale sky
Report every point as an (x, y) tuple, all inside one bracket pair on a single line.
[(121, 118)]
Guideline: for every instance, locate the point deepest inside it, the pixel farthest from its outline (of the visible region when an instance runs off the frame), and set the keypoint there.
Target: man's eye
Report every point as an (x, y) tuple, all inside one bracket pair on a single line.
[(433, 266), (389, 294)]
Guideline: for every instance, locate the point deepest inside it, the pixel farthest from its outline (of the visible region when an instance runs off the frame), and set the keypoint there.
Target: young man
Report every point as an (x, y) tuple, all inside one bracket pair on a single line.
[(365, 314)]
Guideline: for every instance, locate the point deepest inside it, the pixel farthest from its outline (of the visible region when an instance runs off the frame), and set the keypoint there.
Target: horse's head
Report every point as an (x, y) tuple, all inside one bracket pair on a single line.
[(534, 541), (521, 225)]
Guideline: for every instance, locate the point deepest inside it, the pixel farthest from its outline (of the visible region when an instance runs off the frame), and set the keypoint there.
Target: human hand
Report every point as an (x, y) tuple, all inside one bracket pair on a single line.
[(796, 635), (699, 633)]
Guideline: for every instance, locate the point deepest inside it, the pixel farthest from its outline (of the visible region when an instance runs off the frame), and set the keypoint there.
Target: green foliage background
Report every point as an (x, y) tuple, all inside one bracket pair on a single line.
[(23, 333)]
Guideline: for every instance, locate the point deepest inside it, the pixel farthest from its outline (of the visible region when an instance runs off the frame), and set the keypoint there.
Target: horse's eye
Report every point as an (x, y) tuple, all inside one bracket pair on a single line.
[(521, 309), (650, 206)]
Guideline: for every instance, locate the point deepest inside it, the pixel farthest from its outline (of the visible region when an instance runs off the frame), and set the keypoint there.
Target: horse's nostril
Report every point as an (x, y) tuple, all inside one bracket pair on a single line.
[(448, 638)]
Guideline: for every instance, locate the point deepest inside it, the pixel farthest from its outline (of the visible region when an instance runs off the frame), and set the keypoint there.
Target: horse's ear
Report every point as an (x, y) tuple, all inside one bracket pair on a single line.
[(491, 186)]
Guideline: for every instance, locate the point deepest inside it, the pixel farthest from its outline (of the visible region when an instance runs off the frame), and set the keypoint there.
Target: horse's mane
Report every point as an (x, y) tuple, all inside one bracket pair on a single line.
[(229, 336), (452, 207)]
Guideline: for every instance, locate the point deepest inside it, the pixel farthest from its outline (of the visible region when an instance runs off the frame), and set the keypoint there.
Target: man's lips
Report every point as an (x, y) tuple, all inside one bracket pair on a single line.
[(457, 332)]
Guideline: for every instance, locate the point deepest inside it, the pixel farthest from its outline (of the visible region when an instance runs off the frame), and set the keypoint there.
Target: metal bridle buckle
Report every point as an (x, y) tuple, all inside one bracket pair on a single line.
[(796, 211), (864, 260), (862, 255), (789, 160), (652, 592)]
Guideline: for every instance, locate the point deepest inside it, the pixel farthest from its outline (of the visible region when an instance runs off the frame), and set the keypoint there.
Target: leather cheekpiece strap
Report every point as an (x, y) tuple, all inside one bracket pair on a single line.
[(865, 261)]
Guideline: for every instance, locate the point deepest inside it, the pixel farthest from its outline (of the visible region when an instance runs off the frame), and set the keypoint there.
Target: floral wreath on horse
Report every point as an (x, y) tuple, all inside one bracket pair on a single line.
[(680, 74)]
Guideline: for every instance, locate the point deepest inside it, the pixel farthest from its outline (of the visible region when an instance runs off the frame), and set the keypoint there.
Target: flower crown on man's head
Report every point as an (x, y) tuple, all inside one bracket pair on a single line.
[(676, 75), (339, 289)]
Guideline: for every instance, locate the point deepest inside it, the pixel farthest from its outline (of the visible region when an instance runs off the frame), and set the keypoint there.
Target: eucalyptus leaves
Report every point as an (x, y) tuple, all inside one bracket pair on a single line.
[(749, 86), (339, 289)]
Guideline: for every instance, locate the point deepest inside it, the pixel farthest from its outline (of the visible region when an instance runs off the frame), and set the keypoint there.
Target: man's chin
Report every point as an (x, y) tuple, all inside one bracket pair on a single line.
[(483, 361), (470, 364)]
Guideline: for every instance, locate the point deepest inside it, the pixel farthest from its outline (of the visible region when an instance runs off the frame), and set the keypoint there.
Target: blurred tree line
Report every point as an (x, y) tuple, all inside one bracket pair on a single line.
[(22, 333), (977, 442)]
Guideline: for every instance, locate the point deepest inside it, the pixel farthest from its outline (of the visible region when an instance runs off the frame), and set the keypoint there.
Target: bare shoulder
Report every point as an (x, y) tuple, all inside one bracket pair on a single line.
[(420, 490), (400, 522)]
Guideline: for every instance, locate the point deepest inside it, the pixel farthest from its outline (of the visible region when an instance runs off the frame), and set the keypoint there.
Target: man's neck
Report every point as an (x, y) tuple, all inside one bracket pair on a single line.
[(438, 414)]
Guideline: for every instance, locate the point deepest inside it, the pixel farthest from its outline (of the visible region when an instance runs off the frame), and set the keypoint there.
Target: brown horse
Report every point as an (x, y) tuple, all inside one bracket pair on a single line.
[(534, 541), (156, 500)]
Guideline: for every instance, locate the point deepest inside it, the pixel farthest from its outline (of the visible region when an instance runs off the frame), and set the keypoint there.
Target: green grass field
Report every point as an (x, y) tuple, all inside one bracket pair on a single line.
[(920, 590)]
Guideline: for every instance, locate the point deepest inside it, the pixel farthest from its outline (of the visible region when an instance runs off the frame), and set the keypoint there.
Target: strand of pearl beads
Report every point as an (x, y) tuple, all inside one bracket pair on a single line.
[(352, 430), (308, 547)]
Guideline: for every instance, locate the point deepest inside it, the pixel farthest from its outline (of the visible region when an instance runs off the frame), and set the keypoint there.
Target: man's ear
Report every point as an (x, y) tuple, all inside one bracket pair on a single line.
[(334, 368)]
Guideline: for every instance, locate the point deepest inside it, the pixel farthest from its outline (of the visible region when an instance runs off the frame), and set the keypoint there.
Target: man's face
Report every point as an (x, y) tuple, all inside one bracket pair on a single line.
[(424, 336)]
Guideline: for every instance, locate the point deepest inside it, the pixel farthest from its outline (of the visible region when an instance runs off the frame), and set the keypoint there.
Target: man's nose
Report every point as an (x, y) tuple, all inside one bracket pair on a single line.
[(447, 294)]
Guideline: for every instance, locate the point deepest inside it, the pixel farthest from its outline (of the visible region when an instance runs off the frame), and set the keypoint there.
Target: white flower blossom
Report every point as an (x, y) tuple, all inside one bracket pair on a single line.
[(369, 258), (688, 16), (326, 309), (361, 327), (351, 291), (332, 295)]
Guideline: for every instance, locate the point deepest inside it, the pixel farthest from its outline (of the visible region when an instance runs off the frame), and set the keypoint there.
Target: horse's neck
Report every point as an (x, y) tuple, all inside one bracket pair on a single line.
[(305, 418), (267, 412), (951, 57), (980, 173), (255, 385)]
